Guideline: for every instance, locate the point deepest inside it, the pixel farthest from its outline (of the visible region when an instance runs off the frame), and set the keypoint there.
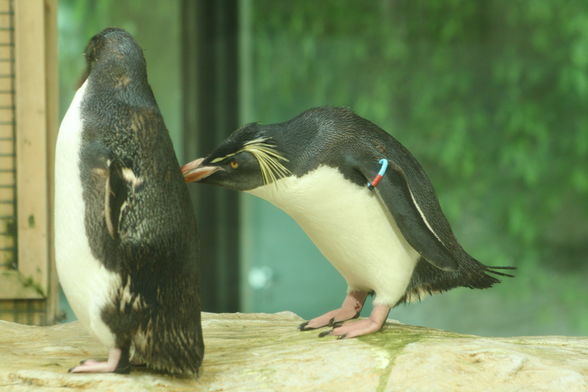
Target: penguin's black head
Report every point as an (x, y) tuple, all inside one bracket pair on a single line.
[(247, 159), (116, 51)]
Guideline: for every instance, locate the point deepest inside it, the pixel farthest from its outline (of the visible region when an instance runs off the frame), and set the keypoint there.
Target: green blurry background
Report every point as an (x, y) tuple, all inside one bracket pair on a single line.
[(490, 96)]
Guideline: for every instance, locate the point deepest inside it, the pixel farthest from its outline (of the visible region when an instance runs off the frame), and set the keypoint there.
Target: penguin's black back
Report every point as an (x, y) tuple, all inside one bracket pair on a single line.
[(154, 245)]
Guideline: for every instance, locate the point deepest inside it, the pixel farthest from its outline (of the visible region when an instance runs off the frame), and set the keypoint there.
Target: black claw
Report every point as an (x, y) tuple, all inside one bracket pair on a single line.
[(325, 333), (70, 370), (303, 327), (332, 323), (341, 337)]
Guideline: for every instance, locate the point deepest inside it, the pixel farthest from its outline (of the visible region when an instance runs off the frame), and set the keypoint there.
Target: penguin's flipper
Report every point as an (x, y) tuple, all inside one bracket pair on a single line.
[(108, 171), (394, 192), (115, 195), (122, 186)]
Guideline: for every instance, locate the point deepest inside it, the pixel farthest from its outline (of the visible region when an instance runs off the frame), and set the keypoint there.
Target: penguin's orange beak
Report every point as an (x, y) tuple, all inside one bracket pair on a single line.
[(194, 171)]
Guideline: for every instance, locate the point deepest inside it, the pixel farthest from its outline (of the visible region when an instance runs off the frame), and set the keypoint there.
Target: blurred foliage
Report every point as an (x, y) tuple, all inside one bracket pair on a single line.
[(490, 96)]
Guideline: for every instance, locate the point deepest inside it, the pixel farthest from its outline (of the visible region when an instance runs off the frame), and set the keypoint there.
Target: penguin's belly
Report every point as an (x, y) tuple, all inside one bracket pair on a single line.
[(350, 226), (84, 279)]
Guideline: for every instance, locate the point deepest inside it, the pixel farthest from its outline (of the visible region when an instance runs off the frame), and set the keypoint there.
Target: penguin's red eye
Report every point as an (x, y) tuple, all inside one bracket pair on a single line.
[(234, 164)]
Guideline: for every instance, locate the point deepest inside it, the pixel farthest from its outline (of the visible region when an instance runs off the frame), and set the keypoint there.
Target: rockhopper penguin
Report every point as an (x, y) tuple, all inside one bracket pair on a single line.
[(125, 234), (389, 238)]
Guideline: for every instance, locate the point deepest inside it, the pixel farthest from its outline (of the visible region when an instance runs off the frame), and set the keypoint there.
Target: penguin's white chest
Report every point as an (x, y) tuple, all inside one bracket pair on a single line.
[(84, 279), (351, 227)]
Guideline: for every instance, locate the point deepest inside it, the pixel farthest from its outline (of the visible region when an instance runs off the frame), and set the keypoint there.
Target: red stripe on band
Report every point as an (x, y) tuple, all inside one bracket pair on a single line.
[(376, 180)]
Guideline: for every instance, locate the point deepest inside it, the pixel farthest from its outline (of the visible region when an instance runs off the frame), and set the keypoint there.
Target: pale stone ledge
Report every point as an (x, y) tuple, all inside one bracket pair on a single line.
[(265, 352)]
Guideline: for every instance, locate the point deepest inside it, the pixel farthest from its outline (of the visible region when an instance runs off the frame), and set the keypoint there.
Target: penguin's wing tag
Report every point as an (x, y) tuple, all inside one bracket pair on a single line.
[(374, 183)]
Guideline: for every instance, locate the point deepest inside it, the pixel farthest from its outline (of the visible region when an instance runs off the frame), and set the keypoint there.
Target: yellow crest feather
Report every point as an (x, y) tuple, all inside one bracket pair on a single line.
[(269, 159)]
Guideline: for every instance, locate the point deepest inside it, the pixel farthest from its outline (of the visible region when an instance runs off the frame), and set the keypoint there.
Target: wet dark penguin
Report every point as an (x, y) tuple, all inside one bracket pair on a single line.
[(126, 239), (391, 240)]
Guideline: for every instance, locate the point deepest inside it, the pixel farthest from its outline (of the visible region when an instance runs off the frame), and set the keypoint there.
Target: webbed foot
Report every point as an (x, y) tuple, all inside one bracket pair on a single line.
[(352, 305)]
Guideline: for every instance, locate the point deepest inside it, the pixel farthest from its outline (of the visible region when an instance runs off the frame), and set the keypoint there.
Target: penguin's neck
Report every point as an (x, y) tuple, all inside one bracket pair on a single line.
[(297, 195), (122, 82)]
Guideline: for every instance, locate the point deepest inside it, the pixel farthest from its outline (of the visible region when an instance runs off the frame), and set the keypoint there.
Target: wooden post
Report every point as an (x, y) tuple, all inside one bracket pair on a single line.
[(31, 143), (34, 111), (52, 99)]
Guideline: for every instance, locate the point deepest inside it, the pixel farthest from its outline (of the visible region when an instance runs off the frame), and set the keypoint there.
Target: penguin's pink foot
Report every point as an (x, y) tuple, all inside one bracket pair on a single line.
[(352, 305), (361, 327), (117, 362)]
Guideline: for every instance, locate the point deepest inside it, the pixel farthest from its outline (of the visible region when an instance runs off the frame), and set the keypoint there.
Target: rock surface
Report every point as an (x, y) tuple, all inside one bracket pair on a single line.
[(263, 352)]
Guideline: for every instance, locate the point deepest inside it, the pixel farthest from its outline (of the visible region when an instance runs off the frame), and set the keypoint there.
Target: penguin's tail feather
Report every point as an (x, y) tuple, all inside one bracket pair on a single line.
[(492, 270), (428, 279)]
